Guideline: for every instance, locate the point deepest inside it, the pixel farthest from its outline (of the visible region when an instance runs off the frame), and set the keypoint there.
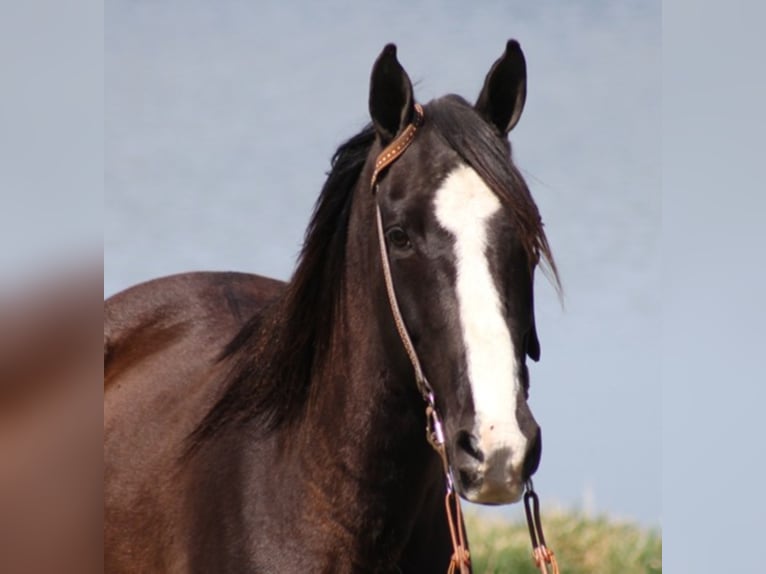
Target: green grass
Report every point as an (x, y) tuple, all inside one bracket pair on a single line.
[(582, 545)]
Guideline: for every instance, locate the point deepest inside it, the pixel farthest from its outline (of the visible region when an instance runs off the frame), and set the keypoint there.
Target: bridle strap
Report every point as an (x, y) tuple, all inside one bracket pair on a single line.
[(386, 157), (420, 379), (396, 148), (460, 560)]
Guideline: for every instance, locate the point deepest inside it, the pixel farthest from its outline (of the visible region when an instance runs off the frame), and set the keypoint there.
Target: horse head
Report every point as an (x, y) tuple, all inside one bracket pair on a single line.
[(463, 238)]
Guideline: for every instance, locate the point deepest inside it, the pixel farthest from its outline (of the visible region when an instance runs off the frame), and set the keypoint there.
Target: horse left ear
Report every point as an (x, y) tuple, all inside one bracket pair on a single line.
[(391, 100), (505, 89)]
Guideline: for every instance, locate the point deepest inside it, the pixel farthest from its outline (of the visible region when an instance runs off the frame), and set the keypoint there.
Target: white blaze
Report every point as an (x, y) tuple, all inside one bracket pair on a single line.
[(464, 205)]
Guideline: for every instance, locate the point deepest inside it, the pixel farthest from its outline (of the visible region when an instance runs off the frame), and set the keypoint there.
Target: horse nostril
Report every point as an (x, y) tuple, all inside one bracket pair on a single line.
[(470, 445), (469, 478)]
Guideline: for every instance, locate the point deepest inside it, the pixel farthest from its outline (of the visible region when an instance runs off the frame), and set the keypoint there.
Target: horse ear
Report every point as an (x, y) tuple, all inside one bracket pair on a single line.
[(391, 101), (505, 89)]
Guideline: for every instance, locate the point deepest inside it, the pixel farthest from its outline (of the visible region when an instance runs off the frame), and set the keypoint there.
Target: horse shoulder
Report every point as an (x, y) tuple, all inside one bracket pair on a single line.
[(162, 340), (147, 318)]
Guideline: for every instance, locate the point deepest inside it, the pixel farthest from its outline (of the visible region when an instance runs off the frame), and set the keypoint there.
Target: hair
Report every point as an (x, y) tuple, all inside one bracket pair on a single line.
[(482, 147), (272, 357)]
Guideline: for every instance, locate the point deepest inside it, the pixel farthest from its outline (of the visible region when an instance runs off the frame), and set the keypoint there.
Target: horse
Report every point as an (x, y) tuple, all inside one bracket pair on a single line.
[(254, 425)]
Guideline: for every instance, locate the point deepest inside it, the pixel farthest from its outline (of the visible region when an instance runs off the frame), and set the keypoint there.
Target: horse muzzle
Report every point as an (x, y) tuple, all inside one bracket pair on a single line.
[(493, 475)]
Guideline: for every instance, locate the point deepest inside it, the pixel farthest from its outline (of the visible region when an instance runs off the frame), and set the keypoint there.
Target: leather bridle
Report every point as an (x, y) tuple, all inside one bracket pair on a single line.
[(460, 560)]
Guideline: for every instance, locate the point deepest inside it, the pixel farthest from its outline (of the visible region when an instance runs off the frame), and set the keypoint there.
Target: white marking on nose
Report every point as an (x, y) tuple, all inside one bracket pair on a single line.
[(464, 205)]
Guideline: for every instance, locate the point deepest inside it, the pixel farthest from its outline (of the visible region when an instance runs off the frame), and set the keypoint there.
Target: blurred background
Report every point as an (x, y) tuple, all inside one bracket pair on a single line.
[(51, 309), (221, 117)]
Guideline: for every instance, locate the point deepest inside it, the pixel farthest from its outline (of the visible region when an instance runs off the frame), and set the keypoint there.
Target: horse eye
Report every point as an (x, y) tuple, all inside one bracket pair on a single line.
[(398, 238)]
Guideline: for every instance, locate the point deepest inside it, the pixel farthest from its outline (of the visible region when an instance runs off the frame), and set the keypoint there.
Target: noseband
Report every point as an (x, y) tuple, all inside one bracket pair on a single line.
[(434, 433)]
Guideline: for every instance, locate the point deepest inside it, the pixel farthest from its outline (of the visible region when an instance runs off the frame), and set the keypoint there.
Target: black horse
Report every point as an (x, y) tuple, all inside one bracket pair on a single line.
[(259, 426)]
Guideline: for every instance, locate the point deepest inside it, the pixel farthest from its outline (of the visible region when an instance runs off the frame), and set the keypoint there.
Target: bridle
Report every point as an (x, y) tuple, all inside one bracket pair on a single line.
[(460, 560)]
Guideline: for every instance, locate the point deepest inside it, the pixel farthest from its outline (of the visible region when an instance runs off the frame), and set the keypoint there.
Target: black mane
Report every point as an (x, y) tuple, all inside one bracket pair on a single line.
[(481, 146), (281, 347)]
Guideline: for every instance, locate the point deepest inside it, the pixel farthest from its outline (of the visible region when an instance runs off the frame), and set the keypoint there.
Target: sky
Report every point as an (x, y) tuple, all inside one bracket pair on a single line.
[(51, 137), (713, 285), (220, 119)]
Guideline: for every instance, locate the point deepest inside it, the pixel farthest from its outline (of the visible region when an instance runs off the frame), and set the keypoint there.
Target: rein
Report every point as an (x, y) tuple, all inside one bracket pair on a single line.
[(461, 559)]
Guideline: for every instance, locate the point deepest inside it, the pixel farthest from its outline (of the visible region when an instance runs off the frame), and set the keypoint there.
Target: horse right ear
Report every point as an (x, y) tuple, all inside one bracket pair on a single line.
[(391, 100), (505, 89)]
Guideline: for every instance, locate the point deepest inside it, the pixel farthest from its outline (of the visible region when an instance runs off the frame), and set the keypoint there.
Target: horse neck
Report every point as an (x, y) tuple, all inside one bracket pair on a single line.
[(364, 430)]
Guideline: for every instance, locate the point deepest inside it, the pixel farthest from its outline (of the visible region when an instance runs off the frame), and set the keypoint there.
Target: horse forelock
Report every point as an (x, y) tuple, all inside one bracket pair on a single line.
[(481, 147)]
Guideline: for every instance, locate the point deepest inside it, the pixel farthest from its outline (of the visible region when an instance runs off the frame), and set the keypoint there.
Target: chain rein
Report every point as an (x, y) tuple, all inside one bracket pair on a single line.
[(460, 560)]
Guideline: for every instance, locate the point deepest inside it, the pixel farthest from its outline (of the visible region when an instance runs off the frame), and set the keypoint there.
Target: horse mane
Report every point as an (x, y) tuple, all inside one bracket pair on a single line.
[(480, 145), (280, 347)]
